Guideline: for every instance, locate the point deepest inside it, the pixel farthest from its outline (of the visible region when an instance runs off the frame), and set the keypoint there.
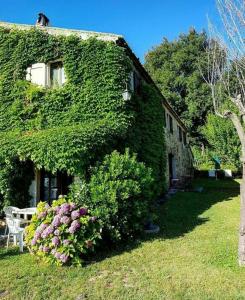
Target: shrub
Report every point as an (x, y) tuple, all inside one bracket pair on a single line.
[(119, 193), (62, 233)]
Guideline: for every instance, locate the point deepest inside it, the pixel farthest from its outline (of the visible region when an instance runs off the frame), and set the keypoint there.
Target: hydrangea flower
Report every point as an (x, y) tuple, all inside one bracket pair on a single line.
[(37, 235), (51, 237), (46, 249), (64, 209), (74, 226), (75, 214), (56, 209), (65, 220), (33, 242), (57, 255), (44, 235), (50, 229), (55, 241), (57, 232), (73, 206), (83, 211), (56, 221), (43, 226), (64, 258)]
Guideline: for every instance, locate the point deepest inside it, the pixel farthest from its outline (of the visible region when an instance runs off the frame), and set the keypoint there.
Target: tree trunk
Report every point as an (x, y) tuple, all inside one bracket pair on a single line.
[(241, 248), (240, 131)]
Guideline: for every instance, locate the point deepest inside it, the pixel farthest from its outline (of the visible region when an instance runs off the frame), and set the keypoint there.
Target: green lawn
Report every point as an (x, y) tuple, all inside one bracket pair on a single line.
[(193, 257)]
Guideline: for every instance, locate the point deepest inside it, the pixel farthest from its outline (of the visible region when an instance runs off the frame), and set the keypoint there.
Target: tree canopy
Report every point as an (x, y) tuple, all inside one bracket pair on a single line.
[(175, 68), (223, 140)]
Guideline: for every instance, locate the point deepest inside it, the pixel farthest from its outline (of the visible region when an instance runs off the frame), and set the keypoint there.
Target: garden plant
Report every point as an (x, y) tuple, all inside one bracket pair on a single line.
[(62, 233)]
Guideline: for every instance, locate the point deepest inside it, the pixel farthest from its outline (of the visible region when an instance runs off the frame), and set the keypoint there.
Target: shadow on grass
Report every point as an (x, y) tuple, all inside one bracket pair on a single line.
[(6, 253), (181, 213)]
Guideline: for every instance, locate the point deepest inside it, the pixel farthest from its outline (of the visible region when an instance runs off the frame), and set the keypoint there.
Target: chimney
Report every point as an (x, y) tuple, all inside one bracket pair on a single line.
[(42, 20)]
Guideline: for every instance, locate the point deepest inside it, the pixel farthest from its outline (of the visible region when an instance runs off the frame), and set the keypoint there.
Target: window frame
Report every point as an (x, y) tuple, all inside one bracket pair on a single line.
[(62, 179), (45, 74), (48, 74)]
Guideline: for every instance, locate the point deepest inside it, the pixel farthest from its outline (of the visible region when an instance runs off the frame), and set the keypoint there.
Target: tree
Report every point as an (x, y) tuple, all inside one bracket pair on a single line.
[(226, 78), (223, 140), (174, 66)]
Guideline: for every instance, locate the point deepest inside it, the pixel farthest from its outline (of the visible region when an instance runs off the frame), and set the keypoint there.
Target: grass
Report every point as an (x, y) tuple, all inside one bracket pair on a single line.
[(193, 257)]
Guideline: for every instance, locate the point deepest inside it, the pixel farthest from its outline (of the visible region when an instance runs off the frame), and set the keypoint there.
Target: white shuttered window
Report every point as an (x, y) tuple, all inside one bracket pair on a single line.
[(46, 75)]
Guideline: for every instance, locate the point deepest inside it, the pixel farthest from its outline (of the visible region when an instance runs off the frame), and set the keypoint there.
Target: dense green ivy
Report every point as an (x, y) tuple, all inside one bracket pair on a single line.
[(71, 127), (147, 136)]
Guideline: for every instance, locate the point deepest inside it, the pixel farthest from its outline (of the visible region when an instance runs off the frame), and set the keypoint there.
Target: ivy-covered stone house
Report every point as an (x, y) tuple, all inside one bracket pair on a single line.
[(67, 98)]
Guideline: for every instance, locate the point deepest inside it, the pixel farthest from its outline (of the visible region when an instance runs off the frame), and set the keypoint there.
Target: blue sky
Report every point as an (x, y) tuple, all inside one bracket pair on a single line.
[(143, 23)]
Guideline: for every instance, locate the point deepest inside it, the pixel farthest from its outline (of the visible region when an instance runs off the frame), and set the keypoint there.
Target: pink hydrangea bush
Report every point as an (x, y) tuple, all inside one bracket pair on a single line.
[(62, 233)]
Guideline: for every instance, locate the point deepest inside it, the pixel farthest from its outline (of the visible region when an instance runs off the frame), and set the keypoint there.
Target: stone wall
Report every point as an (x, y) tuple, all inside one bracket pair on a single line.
[(181, 152)]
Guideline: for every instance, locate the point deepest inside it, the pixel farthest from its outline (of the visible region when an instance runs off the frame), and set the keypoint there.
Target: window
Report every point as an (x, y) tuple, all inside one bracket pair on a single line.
[(184, 138), (53, 185), (170, 124), (46, 75), (57, 75), (180, 133), (164, 118), (135, 82)]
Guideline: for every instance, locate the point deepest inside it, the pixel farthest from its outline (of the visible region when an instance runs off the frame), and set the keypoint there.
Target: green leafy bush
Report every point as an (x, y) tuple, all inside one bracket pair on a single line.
[(63, 233), (119, 193)]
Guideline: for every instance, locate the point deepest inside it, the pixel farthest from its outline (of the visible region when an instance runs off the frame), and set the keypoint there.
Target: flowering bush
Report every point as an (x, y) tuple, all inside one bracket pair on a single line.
[(62, 233)]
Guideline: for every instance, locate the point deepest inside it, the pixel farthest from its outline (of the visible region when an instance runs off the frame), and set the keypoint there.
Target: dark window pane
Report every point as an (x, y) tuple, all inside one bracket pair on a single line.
[(46, 182), (180, 134), (184, 137), (170, 124), (46, 195), (54, 182), (54, 194)]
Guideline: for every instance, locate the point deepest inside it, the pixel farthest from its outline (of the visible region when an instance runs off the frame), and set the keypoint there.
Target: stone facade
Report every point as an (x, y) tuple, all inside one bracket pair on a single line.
[(178, 153)]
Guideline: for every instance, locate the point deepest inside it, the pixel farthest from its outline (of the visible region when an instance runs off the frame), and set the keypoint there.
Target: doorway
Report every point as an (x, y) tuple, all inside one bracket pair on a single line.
[(172, 167)]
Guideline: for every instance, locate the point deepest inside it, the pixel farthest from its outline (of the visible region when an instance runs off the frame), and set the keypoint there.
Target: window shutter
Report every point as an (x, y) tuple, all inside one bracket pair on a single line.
[(63, 76), (37, 74), (28, 74)]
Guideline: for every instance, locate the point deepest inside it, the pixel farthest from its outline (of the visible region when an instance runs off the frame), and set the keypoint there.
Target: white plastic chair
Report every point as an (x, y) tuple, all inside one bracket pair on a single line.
[(15, 231), (8, 212)]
